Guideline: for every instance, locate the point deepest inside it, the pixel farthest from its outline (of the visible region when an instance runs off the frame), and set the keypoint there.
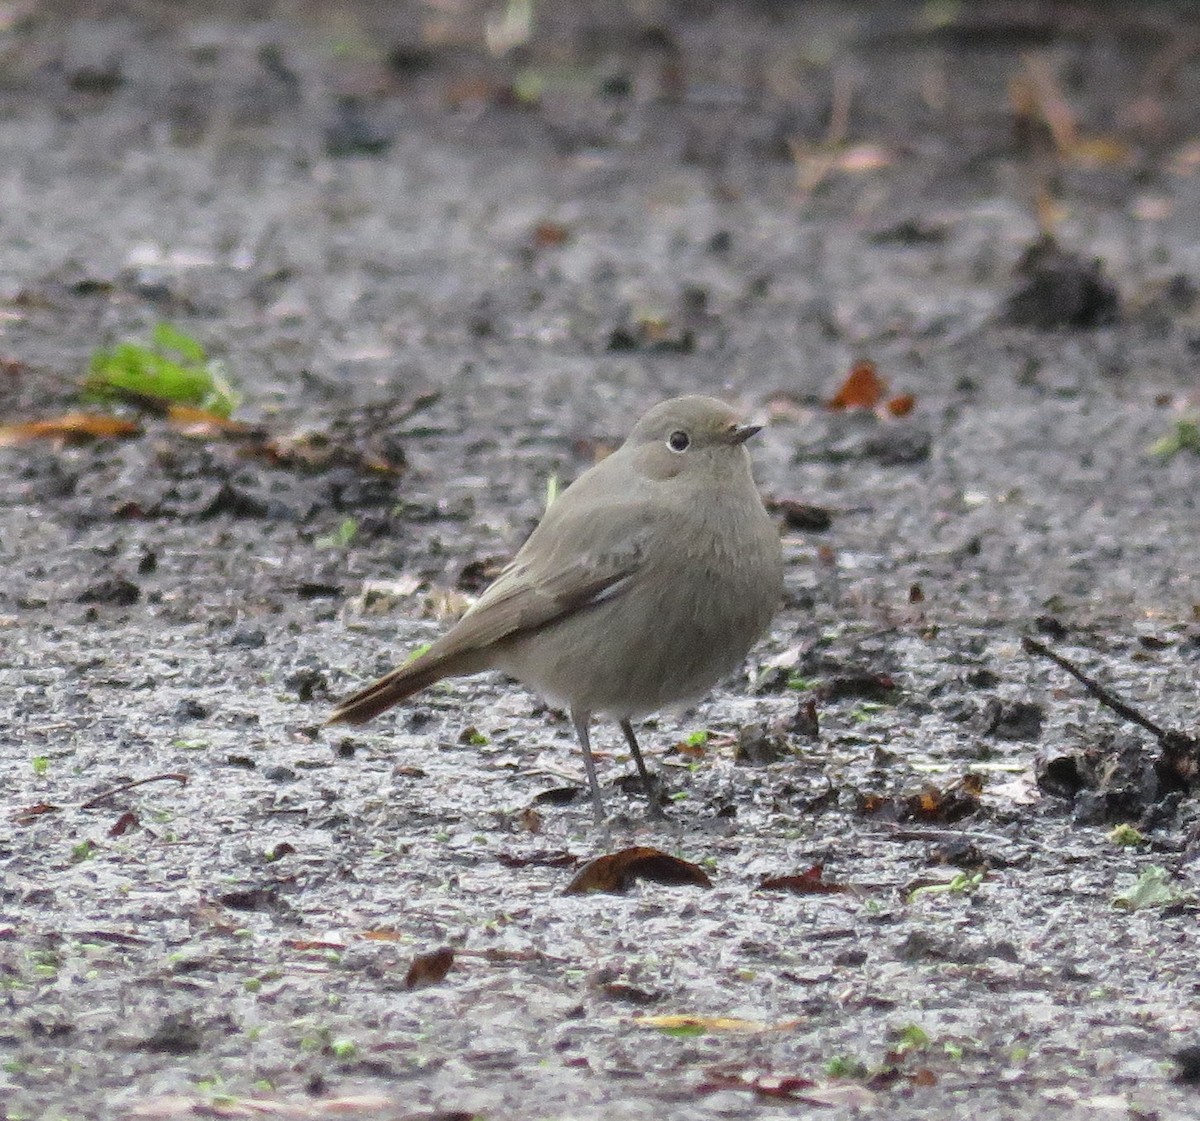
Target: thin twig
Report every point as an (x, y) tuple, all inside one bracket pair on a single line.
[(904, 833), (1105, 696), (99, 799)]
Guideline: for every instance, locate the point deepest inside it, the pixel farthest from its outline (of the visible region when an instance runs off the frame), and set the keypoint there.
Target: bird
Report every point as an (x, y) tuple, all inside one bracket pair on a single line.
[(647, 580)]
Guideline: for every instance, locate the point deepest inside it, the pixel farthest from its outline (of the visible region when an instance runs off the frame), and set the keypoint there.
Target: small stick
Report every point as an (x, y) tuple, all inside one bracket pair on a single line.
[(901, 833), (1104, 696), (99, 799)]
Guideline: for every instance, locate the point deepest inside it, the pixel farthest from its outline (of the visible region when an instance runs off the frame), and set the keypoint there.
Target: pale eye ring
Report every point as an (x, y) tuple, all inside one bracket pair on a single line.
[(679, 441)]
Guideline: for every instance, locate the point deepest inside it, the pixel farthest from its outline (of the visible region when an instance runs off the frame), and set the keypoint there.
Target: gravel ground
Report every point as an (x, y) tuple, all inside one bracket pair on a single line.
[(446, 259)]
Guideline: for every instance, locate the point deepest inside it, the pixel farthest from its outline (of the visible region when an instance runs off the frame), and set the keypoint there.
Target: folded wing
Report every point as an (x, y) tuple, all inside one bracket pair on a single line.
[(548, 580)]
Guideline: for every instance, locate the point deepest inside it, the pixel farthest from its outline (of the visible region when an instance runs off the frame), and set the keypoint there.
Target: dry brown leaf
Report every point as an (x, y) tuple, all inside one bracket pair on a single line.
[(617, 871), (940, 805), (444, 604), (809, 882), (383, 936), (29, 814), (72, 427), (212, 915), (684, 1022), (763, 1084), (550, 235), (690, 750), (197, 423), (429, 969), (306, 1108), (545, 858), (123, 824), (531, 820), (790, 1088), (318, 451), (1099, 151), (800, 515)]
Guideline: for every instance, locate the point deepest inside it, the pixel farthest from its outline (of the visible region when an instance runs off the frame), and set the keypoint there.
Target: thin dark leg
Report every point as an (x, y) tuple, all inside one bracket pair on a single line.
[(580, 720), (647, 781)]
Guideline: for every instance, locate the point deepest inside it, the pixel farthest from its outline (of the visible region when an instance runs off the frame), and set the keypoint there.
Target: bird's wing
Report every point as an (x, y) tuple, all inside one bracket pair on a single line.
[(571, 562)]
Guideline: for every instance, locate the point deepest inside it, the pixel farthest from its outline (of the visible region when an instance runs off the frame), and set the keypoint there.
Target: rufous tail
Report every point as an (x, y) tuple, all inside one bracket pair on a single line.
[(387, 691)]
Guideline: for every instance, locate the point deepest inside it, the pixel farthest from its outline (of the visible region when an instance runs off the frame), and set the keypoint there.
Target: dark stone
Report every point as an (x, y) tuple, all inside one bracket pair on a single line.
[(189, 709), (1018, 721), (759, 745), (411, 58), (352, 131), (899, 446), (114, 590), (1057, 288), (720, 242), (1188, 1061), (308, 682), (177, 1034)]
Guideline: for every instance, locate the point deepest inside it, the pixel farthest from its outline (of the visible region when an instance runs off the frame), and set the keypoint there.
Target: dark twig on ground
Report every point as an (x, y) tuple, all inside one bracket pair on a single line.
[(1180, 758), (100, 799)]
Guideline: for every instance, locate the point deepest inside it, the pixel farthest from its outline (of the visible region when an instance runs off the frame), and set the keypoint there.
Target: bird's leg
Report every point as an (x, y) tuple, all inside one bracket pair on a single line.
[(580, 720), (648, 784)]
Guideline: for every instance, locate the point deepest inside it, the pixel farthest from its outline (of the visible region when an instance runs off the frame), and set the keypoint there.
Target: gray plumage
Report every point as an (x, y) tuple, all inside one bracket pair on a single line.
[(648, 579)]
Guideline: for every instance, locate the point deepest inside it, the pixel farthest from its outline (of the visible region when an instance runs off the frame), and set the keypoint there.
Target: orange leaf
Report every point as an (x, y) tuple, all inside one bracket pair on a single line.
[(69, 426), (901, 405), (863, 389)]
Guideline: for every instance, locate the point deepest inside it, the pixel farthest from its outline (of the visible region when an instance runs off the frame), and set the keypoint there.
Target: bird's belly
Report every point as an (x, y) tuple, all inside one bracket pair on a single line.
[(642, 650)]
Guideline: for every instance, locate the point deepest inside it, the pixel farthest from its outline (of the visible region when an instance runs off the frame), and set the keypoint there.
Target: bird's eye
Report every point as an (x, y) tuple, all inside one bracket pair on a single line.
[(679, 441)]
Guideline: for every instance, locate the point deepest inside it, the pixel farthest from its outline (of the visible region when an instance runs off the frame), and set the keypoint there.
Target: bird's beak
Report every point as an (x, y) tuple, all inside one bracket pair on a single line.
[(743, 432)]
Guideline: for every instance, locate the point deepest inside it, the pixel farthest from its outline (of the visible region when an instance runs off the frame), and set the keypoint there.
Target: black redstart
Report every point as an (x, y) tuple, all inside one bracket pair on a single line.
[(647, 580)]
